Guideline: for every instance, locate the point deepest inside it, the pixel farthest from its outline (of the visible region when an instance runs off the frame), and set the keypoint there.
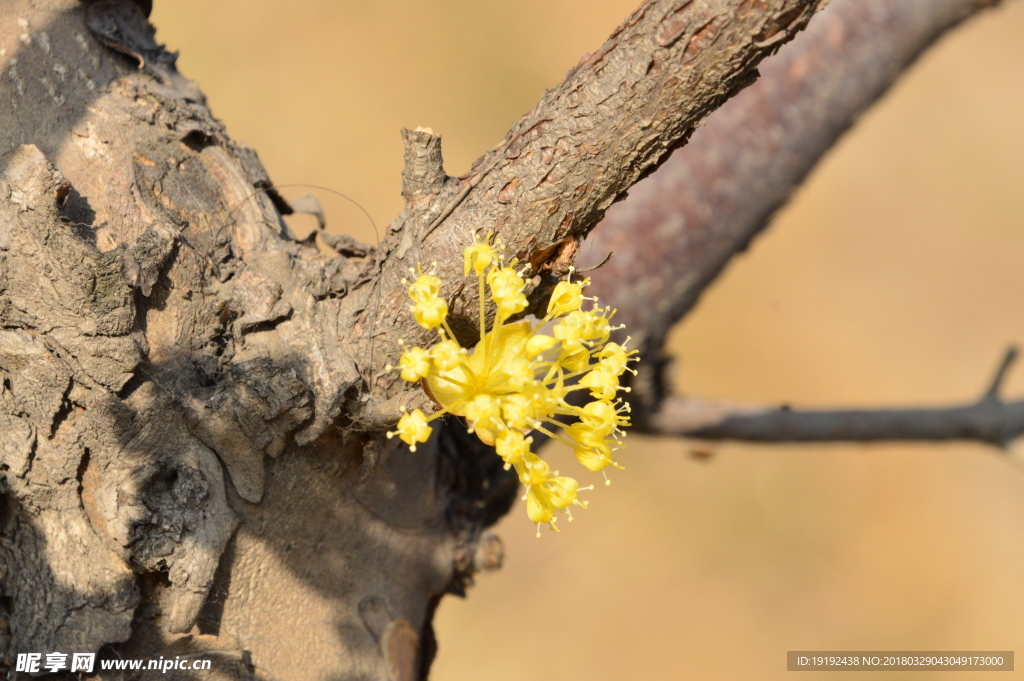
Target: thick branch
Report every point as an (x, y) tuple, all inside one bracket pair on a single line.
[(989, 419), (614, 118), (713, 196)]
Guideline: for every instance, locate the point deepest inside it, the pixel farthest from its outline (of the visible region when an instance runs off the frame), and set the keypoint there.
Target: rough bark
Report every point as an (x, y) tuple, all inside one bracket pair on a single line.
[(193, 401), (615, 117)]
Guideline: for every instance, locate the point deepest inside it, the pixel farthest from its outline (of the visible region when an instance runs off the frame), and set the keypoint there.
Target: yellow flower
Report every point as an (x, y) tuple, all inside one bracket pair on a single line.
[(546, 492), (516, 380), (596, 456), (604, 418), (602, 383), (566, 298), (512, 447), (484, 415), (430, 314), (415, 364), (447, 355), (425, 288), (478, 257), (507, 291), (412, 428), (614, 358)]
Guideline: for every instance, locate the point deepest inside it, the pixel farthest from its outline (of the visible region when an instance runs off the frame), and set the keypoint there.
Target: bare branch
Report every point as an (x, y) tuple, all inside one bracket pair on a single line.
[(989, 419)]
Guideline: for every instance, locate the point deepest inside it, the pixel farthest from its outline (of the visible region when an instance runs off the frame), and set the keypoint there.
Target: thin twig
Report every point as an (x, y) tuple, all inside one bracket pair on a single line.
[(1004, 367), (989, 419)]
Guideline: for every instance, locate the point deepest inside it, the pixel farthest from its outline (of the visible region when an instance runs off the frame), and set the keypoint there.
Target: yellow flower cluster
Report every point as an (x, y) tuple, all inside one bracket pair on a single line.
[(517, 379)]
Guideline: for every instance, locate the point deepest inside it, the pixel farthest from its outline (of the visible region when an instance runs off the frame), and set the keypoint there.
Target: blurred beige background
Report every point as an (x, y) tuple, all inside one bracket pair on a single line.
[(894, 277)]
